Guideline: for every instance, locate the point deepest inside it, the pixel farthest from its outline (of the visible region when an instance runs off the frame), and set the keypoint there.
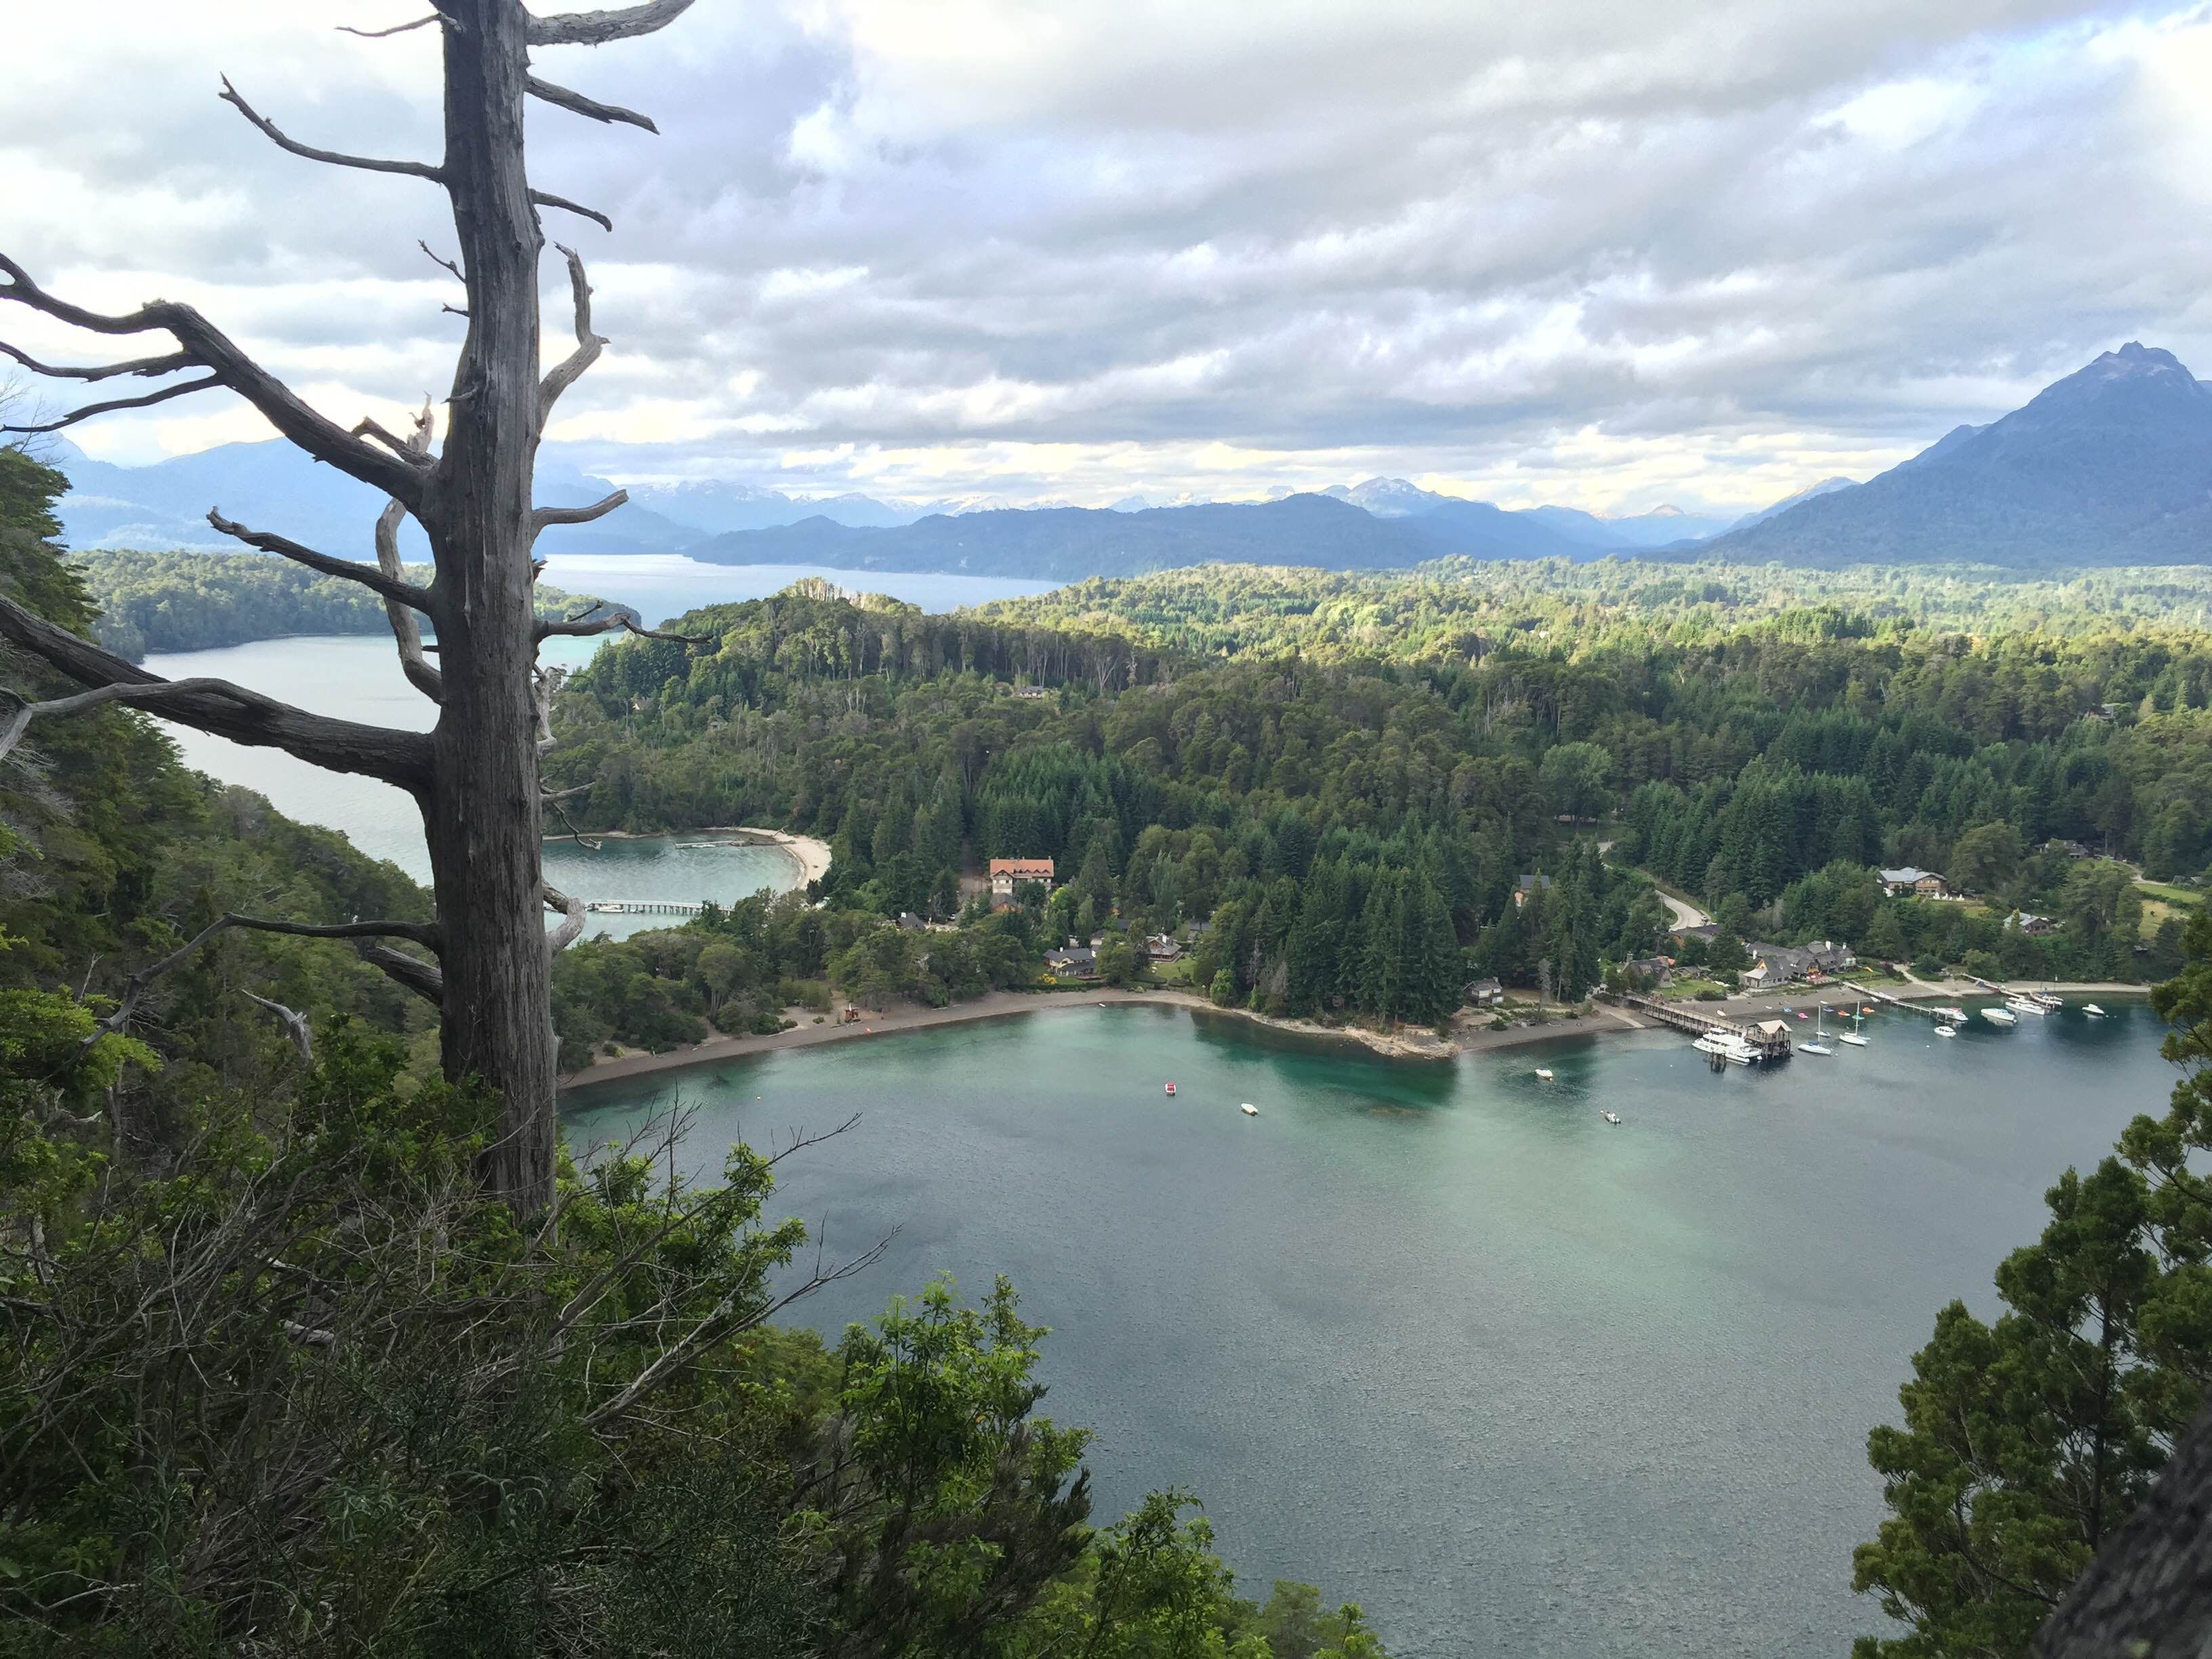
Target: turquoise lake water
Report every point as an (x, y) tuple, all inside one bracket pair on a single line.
[(358, 676), (1435, 1336)]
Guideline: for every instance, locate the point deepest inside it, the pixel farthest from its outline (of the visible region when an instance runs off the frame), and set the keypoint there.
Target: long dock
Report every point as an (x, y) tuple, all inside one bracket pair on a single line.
[(1771, 1045), (1940, 1015), (643, 907)]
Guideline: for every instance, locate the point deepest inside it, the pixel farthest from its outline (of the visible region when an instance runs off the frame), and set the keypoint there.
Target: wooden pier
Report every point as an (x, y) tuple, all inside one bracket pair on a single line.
[(1941, 1015), (1770, 1039), (642, 907)]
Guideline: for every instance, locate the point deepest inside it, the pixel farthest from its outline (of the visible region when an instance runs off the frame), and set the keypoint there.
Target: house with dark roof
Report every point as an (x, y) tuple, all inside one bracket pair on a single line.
[(1777, 964), (2034, 927), (1531, 884), (1075, 961), (1484, 994)]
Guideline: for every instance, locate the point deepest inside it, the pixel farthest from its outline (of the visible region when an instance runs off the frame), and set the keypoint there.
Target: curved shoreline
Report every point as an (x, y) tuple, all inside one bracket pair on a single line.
[(1471, 1036), (810, 854)]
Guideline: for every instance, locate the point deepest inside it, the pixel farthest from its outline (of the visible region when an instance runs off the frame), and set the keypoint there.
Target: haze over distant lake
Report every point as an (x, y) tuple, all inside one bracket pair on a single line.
[(358, 676)]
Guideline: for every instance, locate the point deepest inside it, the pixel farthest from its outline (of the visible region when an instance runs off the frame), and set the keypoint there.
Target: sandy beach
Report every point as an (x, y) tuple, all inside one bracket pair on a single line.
[(811, 855), (1472, 1031)]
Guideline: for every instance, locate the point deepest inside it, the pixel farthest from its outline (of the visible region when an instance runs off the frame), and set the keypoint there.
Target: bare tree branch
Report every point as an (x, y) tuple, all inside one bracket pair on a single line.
[(572, 921), (78, 702), (127, 1002), (452, 265), (208, 347), (584, 624), (542, 517), (182, 389), (545, 198), (385, 34), (369, 427), (275, 135), (162, 365), (394, 591), (721, 1320), (424, 933), (296, 1025), (417, 975), (406, 634), (228, 711), (597, 28), (577, 104), (570, 369)]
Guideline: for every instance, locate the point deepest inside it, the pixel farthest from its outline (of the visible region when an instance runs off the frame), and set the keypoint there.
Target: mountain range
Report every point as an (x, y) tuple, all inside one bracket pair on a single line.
[(2110, 465)]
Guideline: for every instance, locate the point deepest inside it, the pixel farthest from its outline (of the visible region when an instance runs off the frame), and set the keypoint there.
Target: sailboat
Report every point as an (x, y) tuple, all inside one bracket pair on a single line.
[(1819, 1045), (1854, 1036)]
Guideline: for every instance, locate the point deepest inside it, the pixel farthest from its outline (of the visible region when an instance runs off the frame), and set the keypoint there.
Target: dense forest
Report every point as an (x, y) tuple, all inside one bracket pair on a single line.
[(277, 1375), (1418, 796), (149, 602)]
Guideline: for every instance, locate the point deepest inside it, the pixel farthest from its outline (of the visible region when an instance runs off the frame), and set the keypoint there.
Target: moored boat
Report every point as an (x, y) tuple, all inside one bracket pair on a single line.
[(2093, 1011), (1248, 1109), (1543, 1075), (2000, 1016), (2025, 1005)]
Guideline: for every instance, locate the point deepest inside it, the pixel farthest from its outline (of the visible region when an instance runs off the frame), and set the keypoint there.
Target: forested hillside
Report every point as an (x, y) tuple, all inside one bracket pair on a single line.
[(149, 602), (1380, 796), (280, 1376)]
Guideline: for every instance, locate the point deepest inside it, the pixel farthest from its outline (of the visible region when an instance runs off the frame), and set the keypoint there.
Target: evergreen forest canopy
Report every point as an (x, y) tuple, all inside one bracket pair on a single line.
[(1346, 784), (155, 602)]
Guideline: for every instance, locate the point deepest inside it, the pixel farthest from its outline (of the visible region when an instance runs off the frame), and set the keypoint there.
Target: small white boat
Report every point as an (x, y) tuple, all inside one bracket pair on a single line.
[(1610, 1117), (2025, 1005), (2093, 1011), (1944, 1029), (1814, 1048), (1819, 1045), (1543, 1075), (2000, 1016), (1248, 1109), (1857, 1038)]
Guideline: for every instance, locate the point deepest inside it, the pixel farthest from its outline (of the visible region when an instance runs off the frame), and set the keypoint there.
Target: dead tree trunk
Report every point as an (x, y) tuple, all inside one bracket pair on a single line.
[(2149, 1594), (476, 774)]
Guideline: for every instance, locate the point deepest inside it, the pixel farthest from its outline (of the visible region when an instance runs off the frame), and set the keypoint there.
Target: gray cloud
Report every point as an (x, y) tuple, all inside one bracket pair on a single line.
[(1593, 252)]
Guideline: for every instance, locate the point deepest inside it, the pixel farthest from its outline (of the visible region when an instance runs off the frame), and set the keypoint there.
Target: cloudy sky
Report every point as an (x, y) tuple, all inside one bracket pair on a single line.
[(1593, 251)]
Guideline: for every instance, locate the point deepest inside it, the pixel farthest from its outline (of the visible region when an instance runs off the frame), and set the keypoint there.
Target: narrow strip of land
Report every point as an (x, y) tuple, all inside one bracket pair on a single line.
[(1472, 1032)]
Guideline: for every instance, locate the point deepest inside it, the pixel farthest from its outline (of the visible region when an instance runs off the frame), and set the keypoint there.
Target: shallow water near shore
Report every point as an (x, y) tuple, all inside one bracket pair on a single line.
[(1436, 1335)]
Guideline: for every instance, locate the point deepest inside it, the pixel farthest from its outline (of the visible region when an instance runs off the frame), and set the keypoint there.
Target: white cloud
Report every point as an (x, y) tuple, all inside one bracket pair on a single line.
[(1590, 251)]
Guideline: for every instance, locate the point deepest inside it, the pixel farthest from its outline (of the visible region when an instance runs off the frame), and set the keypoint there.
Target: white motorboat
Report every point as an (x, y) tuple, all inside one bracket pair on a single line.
[(1610, 1117), (2093, 1011), (2000, 1016), (1721, 1046), (1543, 1075), (2025, 1005), (1945, 1029), (1248, 1109)]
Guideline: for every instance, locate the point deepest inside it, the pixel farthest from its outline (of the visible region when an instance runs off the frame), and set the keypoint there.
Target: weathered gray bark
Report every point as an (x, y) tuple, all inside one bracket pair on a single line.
[(476, 774), (2149, 1594)]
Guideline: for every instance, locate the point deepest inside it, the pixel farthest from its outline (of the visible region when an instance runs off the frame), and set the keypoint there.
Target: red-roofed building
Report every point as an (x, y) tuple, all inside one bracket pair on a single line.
[(1007, 874)]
